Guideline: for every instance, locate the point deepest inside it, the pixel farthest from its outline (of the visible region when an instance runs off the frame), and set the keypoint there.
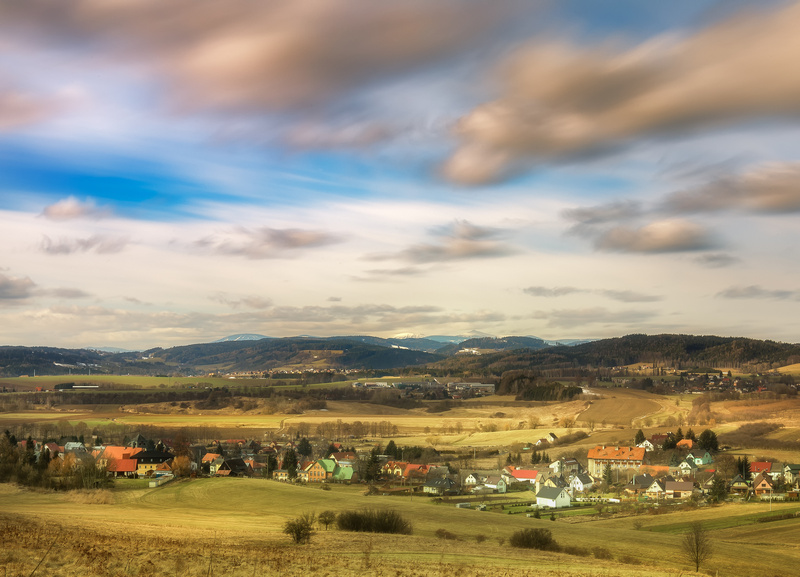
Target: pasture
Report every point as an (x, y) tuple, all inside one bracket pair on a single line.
[(186, 526)]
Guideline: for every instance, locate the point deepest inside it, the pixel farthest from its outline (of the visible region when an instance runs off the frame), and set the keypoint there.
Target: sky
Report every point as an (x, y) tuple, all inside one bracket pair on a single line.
[(172, 172)]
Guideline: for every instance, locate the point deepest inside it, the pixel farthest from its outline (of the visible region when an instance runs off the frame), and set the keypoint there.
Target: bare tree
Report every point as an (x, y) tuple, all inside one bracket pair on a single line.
[(696, 545)]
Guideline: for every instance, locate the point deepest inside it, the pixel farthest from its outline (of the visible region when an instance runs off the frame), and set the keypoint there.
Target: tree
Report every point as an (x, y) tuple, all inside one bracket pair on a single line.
[(182, 466), (392, 450), (290, 463), (327, 518), (639, 439), (300, 529), (690, 435), (696, 545), (679, 435), (743, 467), (718, 490), (708, 441), (330, 450), (304, 447)]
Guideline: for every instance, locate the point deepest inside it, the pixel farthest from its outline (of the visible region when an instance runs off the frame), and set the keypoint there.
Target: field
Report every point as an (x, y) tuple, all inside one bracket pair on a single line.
[(235, 525)]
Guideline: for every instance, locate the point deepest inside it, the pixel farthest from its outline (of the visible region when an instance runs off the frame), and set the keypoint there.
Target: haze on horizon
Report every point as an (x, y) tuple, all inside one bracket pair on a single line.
[(174, 172)]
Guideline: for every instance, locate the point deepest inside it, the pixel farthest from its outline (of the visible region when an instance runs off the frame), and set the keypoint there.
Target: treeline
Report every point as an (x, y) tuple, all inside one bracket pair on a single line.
[(20, 464), (528, 386)]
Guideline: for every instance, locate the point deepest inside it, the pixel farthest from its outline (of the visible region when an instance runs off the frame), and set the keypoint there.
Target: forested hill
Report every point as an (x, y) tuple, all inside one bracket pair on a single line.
[(498, 344), (678, 351)]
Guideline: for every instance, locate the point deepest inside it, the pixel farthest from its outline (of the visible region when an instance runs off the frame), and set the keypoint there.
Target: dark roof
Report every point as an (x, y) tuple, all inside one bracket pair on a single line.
[(549, 492), (153, 457)]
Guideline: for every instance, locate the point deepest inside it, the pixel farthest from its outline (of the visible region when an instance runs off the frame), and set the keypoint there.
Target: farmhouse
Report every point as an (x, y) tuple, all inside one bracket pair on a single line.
[(519, 475), (763, 484), (553, 497), (581, 483), (441, 486), (616, 457)]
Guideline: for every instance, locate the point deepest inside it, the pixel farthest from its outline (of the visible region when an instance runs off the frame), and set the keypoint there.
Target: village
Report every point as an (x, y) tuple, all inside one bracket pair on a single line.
[(664, 468)]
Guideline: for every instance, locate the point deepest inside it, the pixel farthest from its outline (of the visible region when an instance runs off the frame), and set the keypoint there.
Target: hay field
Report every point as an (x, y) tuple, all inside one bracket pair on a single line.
[(235, 525)]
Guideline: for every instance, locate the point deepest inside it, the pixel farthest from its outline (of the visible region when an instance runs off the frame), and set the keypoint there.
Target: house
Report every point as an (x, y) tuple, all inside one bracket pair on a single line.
[(344, 458), (519, 475), (551, 438), (496, 483), (763, 484), (678, 489), (441, 486), (791, 473), (565, 466), (687, 467), (557, 481), (234, 468), (581, 483), (757, 467), (647, 445), (281, 475), (685, 444), (321, 470), (473, 479), (616, 457), (344, 475), (553, 497), (658, 439), (639, 483), (394, 469), (148, 461), (122, 468), (656, 489), (700, 459), (739, 485)]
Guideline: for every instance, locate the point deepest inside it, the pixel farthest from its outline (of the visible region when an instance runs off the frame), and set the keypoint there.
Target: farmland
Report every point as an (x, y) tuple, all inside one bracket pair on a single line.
[(125, 530)]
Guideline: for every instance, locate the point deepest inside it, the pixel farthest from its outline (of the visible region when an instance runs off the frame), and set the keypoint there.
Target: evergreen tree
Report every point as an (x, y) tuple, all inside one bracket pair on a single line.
[(690, 435), (290, 463), (392, 450), (678, 435), (304, 447), (708, 441), (639, 439), (743, 467)]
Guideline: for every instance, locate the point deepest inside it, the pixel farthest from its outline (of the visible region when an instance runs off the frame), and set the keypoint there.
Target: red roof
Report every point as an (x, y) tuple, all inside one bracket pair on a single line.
[(122, 466), (208, 457), (522, 474), (757, 467), (118, 453), (614, 453)]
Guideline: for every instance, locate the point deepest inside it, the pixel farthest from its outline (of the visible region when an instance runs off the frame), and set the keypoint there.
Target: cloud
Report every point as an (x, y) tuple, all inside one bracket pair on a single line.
[(264, 243), (459, 241), (14, 288), (334, 299), (19, 109), (385, 273), (756, 292), (617, 295), (627, 296), (72, 208), (100, 244), (657, 237), (717, 260), (573, 318), (561, 100), (540, 291), (251, 302), (772, 188), (246, 56), (68, 293)]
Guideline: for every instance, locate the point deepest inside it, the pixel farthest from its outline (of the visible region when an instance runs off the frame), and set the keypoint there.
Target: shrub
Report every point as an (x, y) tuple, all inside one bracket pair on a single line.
[(575, 550), (300, 529), (445, 534), (374, 521), (327, 518), (480, 538), (541, 539), (602, 553), (630, 560)]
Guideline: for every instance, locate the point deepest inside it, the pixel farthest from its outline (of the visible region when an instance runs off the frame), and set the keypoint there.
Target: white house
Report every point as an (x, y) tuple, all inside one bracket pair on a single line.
[(581, 483), (553, 497), (646, 445)]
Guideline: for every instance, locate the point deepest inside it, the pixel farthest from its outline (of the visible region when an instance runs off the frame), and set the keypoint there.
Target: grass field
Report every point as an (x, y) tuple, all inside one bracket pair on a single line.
[(183, 526)]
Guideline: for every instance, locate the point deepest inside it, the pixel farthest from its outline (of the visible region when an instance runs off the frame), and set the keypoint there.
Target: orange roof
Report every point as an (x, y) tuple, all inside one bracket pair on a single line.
[(688, 443), (760, 467), (116, 452), (615, 453), (208, 457), (122, 466)]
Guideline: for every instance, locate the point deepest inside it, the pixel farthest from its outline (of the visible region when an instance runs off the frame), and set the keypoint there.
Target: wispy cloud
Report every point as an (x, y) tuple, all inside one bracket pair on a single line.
[(717, 260), (757, 292), (617, 295), (266, 243), (461, 240), (770, 189), (100, 244), (657, 237), (574, 318), (561, 99), (67, 293), (251, 302), (72, 208)]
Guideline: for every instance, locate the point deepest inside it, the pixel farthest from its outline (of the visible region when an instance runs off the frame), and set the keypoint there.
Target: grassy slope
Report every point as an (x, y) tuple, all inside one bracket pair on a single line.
[(252, 512)]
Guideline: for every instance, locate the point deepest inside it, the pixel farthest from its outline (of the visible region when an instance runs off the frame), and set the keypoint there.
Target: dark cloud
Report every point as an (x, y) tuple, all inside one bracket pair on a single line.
[(265, 243), (773, 188), (72, 208), (657, 237), (561, 99), (99, 244), (756, 292), (14, 288), (574, 318), (458, 241)]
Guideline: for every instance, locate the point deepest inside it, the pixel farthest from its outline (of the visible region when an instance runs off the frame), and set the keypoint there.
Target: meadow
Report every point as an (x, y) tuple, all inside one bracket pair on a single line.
[(210, 526)]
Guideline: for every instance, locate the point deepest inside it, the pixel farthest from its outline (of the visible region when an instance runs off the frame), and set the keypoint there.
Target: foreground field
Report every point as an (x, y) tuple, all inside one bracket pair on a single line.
[(233, 526)]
